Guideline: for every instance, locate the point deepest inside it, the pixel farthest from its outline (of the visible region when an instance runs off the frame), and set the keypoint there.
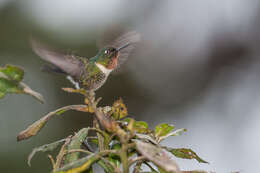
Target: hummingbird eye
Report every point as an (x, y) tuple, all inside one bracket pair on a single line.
[(109, 51)]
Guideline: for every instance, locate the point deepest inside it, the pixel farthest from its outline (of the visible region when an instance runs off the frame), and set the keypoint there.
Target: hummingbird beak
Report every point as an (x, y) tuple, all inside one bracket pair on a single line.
[(124, 46)]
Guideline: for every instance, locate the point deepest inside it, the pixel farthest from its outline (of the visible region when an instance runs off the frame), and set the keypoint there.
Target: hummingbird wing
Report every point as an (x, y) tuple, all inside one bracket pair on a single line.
[(130, 38), (67, 63), (108, 40)]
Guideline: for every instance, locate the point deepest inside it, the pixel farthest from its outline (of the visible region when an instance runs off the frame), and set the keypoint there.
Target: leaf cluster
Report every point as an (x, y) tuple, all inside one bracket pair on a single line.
[(119, 143), (11, 82)]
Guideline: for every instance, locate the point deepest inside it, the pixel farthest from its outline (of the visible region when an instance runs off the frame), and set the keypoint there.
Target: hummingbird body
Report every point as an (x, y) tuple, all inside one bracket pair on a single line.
[(89, 73), (94, 75)]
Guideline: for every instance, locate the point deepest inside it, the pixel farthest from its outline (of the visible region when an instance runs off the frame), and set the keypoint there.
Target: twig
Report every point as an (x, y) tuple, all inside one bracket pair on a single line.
[(100, 135), (79, 150), (52, 161), (136, 159), (61, 154)]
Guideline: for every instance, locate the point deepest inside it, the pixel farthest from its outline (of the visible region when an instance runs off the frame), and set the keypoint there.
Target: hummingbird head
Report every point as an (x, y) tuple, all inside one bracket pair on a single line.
[(108, 56)]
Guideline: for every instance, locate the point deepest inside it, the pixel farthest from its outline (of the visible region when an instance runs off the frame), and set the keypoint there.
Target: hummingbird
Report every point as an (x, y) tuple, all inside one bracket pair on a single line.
[(89, 73)]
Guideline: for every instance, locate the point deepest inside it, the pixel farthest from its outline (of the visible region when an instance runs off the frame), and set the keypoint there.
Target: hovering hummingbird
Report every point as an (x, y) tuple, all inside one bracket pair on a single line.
[(89, 73)]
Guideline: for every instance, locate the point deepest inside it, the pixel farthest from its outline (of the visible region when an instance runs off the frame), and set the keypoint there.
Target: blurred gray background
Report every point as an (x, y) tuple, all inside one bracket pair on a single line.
[(197, 67)]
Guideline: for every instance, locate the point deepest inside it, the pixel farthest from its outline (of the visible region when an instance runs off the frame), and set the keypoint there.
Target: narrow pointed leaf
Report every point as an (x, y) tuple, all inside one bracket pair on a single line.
[(106, 166), (81, 164), (38, 125), (158, 156), (44, 148), (75, 143), (174, 133), (115, 161), (177, 132), (185, 153)]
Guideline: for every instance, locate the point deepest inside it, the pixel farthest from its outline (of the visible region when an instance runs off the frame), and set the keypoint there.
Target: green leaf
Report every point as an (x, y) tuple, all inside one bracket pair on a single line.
[(163, 129), (44, 148), (94, 141), (34, 129), (8, 86), (174, 133), (113, 157), (75, 143), (107, 167), (105, 137), (185, 153), (13, 72), (79, 165), (127, 120), (11, 82), (139, 126), (115, 161), (82, 164), (116, 146)]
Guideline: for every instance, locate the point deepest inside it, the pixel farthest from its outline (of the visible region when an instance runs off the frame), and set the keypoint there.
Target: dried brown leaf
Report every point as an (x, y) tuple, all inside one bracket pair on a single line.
[(33, 129)]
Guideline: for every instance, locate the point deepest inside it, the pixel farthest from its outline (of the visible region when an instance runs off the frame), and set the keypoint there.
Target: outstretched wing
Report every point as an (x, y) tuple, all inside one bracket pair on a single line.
[(127, 38), (67, 63)]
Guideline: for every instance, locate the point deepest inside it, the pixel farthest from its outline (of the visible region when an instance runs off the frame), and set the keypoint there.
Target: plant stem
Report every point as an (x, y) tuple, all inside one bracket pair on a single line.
[(124, 159), (79, 150), (100, 137), (61, 154), (52, 161)]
